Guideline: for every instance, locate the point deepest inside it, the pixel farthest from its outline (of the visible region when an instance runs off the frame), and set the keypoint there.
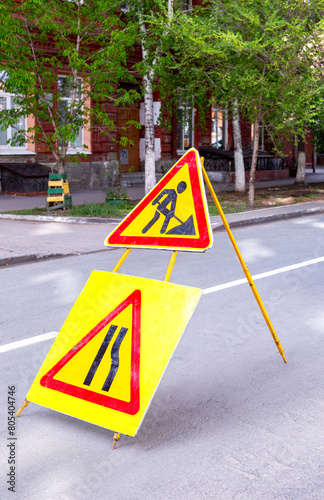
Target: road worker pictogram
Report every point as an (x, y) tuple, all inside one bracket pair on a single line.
[(166, 205)]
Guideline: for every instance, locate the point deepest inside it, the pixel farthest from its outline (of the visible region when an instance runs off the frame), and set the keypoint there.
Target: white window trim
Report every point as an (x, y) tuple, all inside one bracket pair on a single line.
[(72, 150), (225, 126), (16, 151), (225, 131), (7, 149), (182, 151)]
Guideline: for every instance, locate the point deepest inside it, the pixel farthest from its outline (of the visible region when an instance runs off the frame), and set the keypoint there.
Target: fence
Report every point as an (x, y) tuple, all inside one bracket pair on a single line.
[(263, 163)]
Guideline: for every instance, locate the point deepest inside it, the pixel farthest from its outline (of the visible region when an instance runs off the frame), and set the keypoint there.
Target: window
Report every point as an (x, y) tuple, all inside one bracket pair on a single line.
[(185, 5), (3, 75), (7, 101), (65, 89), (218, 128), (184, 126), (261, 137)]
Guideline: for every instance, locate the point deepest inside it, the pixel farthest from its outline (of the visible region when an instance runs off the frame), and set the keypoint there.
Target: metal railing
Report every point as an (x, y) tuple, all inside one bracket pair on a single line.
[(228, 165)]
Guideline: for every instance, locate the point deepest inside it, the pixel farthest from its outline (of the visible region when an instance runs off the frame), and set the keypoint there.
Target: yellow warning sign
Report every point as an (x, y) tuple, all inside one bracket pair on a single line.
[(113, 348), (173, 215)]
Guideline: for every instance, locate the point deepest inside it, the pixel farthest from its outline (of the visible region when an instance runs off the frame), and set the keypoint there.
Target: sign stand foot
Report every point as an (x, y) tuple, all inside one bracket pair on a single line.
[(115, 439), (25, 403)]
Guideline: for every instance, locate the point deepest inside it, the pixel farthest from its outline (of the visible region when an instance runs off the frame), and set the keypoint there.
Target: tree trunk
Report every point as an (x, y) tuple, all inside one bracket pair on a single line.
[(238, 152), (301, 162), (60, 167), (150, 178), (254, 161)]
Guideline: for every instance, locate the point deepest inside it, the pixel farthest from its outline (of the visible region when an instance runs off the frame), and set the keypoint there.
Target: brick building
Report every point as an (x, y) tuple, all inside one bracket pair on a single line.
[(101, 152)]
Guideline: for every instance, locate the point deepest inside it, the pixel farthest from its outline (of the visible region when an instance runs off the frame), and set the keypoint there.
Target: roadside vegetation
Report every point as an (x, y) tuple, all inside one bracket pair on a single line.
[(231, 202)]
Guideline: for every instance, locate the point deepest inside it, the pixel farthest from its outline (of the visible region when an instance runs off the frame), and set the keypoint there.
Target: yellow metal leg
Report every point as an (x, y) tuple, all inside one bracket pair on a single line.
[(245, 269), (116, 438), (171, 265), (167, 278), (122, 260), (25, 403)]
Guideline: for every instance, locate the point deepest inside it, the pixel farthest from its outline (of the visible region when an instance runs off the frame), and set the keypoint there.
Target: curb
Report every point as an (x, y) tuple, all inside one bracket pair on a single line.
[(29, 258), (217, 225), (69, 220), (22, 259)]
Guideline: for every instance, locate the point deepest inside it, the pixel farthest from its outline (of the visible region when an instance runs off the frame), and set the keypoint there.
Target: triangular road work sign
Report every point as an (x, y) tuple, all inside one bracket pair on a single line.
[(174, 215), (113, 348), (67, 369)]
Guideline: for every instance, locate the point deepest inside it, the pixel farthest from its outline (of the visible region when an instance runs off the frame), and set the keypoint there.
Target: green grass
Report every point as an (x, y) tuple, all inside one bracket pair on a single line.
[(87, 210), (100, 210), (31, 211), (227, 208), (106, 211)]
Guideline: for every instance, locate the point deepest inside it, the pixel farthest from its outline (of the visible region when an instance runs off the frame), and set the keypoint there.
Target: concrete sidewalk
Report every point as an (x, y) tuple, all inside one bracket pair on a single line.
[(35, 238)]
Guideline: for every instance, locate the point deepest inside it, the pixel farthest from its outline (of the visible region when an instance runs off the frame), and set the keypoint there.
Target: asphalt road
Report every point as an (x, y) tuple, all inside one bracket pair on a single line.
[(230, 420)]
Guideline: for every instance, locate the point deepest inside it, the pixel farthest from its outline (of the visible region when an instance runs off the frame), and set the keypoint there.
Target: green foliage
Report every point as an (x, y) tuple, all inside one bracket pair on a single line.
[(318, 134), (264, 54), (85, 40)]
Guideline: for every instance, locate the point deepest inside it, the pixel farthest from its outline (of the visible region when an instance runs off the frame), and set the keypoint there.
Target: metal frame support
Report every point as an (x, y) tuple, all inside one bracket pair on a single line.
[(244, 267)]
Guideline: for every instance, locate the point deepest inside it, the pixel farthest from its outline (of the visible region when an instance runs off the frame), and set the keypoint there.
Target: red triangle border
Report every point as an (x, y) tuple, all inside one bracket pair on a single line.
[(131, 407)]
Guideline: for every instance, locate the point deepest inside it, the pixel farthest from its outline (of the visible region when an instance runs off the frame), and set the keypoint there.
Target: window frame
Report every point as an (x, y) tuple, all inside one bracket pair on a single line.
[(188, 107), (8, 147), (72, 149), (224, 127), (261, 136), (187, 7)]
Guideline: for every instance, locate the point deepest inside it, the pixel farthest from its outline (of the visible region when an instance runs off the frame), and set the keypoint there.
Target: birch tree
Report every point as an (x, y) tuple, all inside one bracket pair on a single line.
[(184, 69), (143, 13), (264, 55), (301, 162), (148, 82), (238, 150)]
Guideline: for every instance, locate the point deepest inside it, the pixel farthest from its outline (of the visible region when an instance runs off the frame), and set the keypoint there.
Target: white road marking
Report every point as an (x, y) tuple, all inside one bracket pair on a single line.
[(280, 270), (217, 288), (29, 341)]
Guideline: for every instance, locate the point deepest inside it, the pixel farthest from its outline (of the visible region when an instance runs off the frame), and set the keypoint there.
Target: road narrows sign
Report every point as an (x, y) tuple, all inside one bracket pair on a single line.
[(113, 348), (174, 215), (100, 396)]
